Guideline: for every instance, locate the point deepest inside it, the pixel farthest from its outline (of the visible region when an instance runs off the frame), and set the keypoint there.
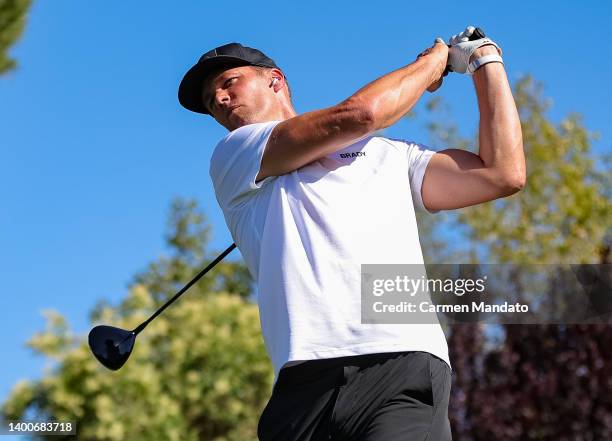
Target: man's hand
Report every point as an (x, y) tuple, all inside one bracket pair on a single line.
[(438, 52), (465, 48)]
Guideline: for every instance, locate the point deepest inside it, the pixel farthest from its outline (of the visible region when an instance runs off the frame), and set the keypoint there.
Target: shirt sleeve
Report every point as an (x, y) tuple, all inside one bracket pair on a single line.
[(236, 161), (418, 158)]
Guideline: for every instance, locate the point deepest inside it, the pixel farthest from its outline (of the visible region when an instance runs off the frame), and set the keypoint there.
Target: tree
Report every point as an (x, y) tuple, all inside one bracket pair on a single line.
[(548, 382), (563, 214), (12, 21), (187, 235), (198, 372)]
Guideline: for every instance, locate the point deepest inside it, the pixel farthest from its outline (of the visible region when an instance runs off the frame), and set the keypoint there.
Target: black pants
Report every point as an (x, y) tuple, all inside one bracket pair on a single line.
[(374, 397)]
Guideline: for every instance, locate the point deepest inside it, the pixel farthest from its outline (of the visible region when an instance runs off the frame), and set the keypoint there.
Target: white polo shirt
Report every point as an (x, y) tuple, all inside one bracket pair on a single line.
[(304, 235)]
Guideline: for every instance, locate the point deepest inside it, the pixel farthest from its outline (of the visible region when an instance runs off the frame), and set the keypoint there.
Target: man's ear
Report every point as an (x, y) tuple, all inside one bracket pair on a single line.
[(277, 75)]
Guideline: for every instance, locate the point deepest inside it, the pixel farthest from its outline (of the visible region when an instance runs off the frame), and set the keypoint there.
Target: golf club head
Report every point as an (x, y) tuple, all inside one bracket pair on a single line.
[(111, 346)]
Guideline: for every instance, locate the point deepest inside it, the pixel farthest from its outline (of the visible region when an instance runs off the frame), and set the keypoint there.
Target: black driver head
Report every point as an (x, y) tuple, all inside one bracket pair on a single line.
[(111, 346)]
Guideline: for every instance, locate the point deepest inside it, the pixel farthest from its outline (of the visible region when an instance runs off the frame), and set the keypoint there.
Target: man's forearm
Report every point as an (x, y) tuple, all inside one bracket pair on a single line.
[(391, 96), (500, 136), (304, 138)]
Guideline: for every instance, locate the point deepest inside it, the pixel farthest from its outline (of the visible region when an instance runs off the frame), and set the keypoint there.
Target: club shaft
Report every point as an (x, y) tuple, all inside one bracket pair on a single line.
[(185, 288)]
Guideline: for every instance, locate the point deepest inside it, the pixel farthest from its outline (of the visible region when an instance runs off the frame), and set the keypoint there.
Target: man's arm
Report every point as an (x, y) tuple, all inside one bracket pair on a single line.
[(457, 178), (302, 139)]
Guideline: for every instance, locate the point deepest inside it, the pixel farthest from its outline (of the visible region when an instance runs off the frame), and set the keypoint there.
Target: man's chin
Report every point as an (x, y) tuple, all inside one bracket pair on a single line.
[(236, 119), (236, 123)]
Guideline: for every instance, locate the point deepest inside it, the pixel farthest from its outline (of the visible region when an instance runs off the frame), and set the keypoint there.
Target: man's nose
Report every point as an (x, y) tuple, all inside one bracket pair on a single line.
[(222, 98)]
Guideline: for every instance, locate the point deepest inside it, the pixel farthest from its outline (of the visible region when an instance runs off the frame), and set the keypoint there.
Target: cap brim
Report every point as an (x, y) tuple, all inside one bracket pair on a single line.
[(190, 89)]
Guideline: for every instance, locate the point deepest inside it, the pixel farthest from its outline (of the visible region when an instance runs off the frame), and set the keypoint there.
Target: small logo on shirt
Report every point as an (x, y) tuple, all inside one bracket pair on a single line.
[(352, 154)]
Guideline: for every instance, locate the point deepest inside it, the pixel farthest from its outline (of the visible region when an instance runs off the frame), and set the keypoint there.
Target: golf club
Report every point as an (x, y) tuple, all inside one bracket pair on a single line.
[(113, 346), (478, 33)]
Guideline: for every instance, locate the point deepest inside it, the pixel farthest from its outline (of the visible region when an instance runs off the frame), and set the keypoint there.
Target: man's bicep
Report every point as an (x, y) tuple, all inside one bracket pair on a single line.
[(457, 178), (305, 138)]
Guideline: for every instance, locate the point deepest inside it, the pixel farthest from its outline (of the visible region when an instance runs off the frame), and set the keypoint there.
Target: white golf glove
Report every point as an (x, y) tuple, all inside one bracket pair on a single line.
[(462, 48)]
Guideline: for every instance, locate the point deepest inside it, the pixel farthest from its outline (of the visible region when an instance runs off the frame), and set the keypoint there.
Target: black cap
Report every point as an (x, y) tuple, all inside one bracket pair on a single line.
[(229, 55)]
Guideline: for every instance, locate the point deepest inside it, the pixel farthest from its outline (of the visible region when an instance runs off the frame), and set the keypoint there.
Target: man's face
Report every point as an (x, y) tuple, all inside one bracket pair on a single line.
[(239, 96)]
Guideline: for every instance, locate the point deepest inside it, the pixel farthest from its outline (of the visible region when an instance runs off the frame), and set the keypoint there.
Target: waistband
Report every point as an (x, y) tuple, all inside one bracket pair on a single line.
[(330, 371)]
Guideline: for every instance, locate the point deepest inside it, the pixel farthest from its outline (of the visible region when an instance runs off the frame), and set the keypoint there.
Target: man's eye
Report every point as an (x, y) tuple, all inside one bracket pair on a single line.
[(229, 81)]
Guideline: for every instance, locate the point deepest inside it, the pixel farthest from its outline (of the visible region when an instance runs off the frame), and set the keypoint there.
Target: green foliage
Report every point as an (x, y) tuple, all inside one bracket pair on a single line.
[(187, 236), (12, 21), (198, 372), (563, 213), (548, 382)]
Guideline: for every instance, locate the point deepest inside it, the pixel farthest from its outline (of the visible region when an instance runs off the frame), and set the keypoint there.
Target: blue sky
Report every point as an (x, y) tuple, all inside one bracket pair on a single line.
[(94, 143)]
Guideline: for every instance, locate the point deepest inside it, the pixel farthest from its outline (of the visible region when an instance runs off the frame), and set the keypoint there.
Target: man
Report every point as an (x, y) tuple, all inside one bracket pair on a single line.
[(309, 198)]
